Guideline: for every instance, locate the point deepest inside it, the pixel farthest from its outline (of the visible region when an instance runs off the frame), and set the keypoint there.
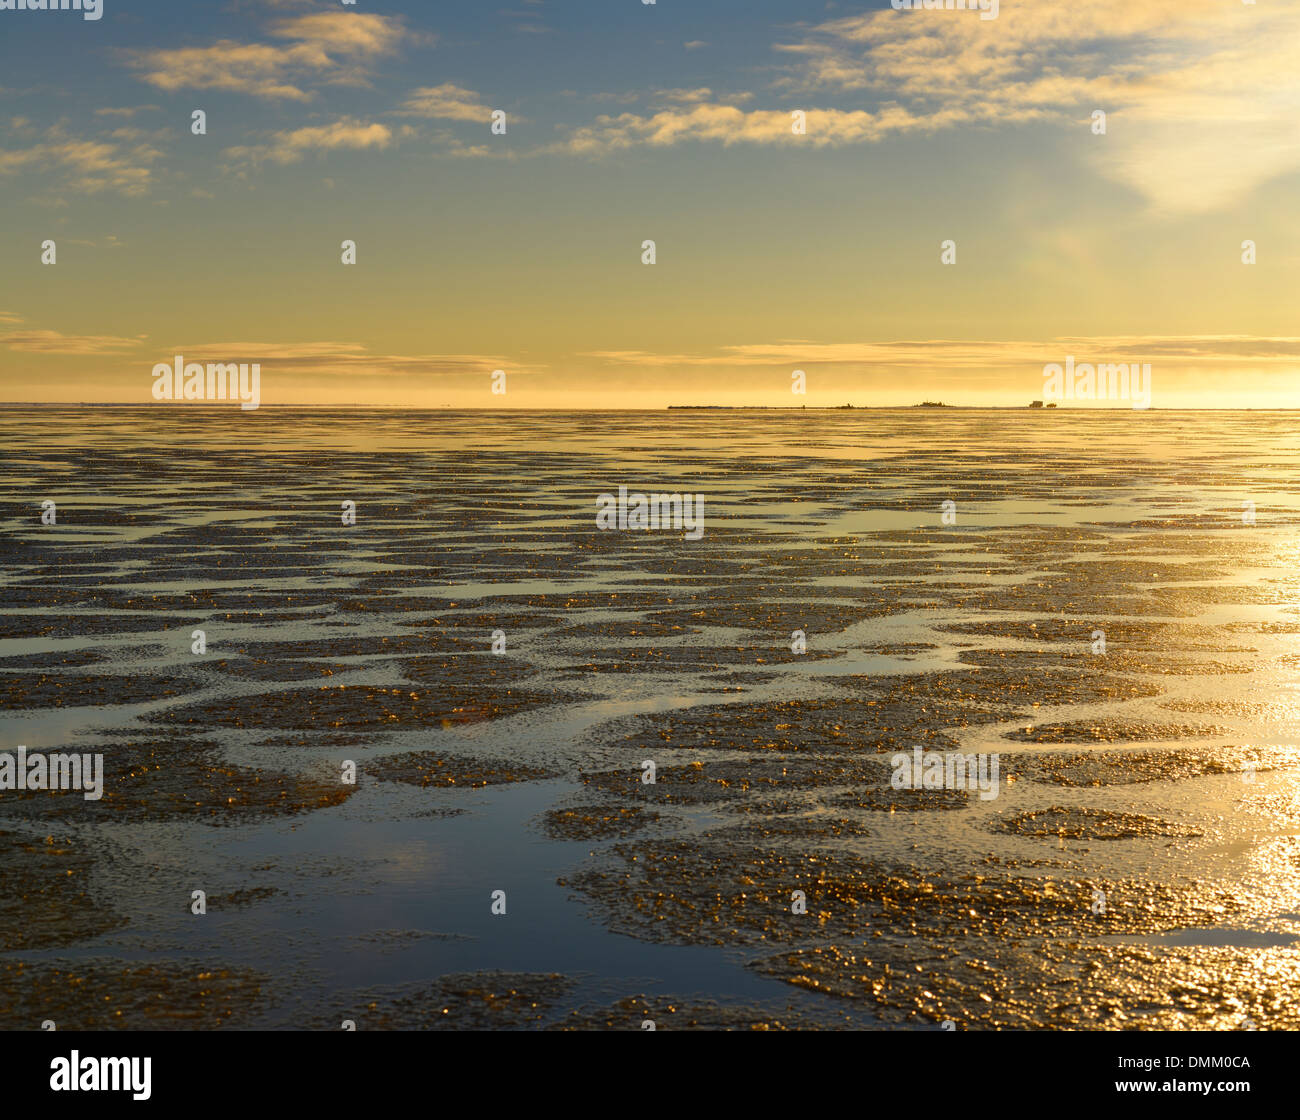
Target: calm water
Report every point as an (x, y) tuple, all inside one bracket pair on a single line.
[(1158, 767)]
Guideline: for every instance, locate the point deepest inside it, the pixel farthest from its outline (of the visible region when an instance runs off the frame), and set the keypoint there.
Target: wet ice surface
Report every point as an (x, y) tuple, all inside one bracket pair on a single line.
[(1159, 776)]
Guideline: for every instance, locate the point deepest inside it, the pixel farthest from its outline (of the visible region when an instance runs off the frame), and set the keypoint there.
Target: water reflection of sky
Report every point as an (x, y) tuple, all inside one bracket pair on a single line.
[(825, 502)]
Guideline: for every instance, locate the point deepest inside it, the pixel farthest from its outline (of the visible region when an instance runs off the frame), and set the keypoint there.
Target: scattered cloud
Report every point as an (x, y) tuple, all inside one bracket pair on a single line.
[(730, 124), (127, 111), (109, 241), (291, 146), (445, 102), (689, 96), (348, 359), (53, 342), (1202, 96), (940, 354), (335, 47), (121, 163)]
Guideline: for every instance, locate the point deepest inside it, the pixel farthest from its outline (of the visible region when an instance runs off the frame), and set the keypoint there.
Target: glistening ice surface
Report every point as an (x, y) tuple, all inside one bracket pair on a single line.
[(1139, 868)]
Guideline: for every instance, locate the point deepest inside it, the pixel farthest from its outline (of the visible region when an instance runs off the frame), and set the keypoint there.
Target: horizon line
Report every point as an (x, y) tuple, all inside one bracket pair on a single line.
[(225, 406)]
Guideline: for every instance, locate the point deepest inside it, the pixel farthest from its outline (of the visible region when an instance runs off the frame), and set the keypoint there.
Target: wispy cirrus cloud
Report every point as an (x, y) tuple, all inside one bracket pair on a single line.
[(293, 145), (323, 46), (121, 162), (108, 241), (958, 354), (445, 102), (1203, 96), (126, 111), (54, 342), (322, 358), (687, 96), (349, 359), (729, 124)]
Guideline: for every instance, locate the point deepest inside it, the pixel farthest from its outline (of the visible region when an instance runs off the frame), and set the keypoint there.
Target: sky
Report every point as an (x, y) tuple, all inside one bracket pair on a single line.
[(820, 251)]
